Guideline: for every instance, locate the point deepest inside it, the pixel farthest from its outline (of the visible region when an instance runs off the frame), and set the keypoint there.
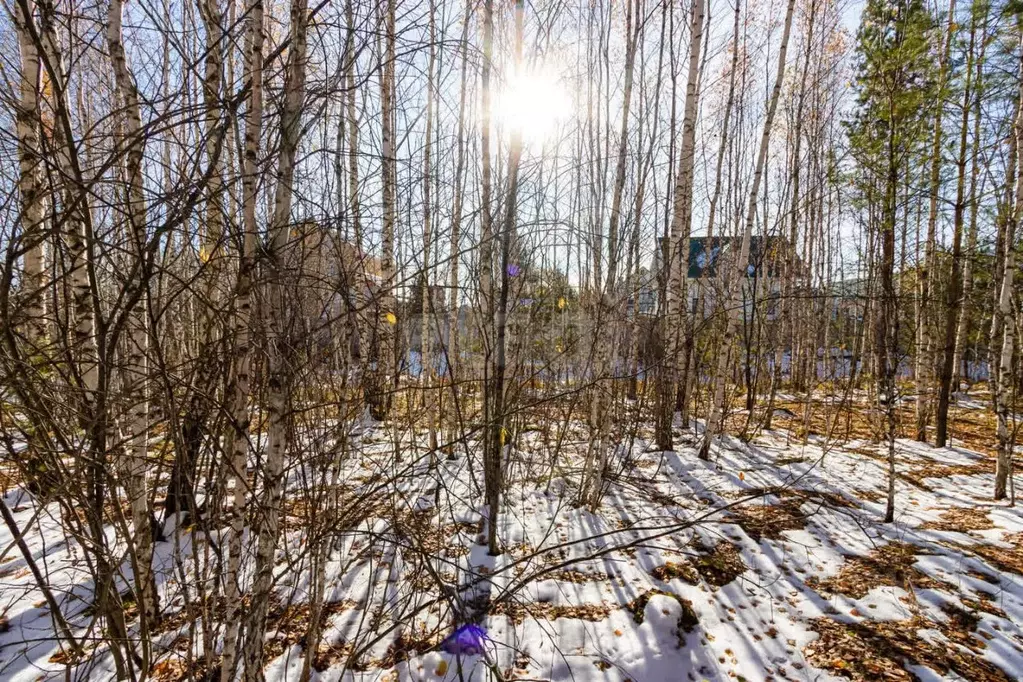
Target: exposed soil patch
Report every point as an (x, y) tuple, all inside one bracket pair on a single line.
[(576, 577), (961, 519), (174, 669), (687, 619), (671, 570), (870, 495), (721, 564), (986, 577), (891, 564), (335, 655), (519, 611), (881, 650), (423, 533), (1004, 559), (769, 521), (917, 474), (409, 644)]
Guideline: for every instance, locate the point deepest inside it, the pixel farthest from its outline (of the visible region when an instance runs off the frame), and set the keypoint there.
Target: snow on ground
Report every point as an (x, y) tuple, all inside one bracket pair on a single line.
[(768, 563)]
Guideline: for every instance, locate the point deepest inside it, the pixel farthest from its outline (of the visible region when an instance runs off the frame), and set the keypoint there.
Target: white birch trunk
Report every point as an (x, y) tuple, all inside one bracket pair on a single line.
[(1003, 464), (281, 360), (137, 357), (213, 236), (924, 373), (971, 238), (596, 460), (454, 253), (426, 331), (27, 126), (240, 383), (733, 307), (386, 371), (682, 213)]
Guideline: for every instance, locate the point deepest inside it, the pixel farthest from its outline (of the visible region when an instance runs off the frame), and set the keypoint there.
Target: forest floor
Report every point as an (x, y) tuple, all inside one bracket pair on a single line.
[(767, 563)]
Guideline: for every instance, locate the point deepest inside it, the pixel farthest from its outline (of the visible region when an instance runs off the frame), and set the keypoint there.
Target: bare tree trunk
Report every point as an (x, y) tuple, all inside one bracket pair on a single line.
[(954, 287), (924, 332), (645, 166), (454, 254), (997, 320), (734, 305), (886, 320), (386, 374), (88, 382), (33, 235), (715, 199), (356, 271), (486, 287), (786, 321), (27, 120), (134, 468), (282, 360), (486, 250), (242, 314), (428, 313), (681, 226), (1003, 465), (213, 17), (494, 474), (592, 482), (971, 239)]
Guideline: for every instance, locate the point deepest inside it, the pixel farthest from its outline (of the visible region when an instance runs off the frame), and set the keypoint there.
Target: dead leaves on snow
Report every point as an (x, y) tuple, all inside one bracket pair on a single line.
[(1005, 559), (881, 650), (960, 519), (518, 611), (687, 619), (721, 564), (718, 565), (769, 521), (891, 564), (672, 569)]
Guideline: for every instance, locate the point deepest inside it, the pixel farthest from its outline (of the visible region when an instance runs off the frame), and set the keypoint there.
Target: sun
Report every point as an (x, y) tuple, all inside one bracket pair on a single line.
[(534, 103)]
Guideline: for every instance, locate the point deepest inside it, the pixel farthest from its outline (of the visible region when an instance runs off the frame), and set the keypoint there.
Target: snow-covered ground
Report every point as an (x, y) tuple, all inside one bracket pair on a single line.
[(768, 563)]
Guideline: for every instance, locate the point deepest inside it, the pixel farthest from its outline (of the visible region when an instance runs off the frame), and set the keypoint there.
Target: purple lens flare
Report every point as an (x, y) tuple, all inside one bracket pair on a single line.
[(466, 640)]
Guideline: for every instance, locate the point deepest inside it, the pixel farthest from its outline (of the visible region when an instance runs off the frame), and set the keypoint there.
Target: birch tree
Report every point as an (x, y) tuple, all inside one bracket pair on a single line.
[(734, 307), (282, 356), (135, 467), (242, 321), (1003, 463)]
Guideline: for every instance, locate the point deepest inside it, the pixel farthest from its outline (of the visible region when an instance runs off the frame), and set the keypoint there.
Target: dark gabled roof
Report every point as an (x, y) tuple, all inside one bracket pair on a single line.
[(705, 254)]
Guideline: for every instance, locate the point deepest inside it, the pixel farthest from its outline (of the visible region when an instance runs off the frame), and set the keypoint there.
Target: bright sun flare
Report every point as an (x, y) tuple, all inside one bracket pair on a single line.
[(534, 102)]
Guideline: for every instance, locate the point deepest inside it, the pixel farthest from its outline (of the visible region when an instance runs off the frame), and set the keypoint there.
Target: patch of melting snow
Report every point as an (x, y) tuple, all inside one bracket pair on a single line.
[(754, 626)]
